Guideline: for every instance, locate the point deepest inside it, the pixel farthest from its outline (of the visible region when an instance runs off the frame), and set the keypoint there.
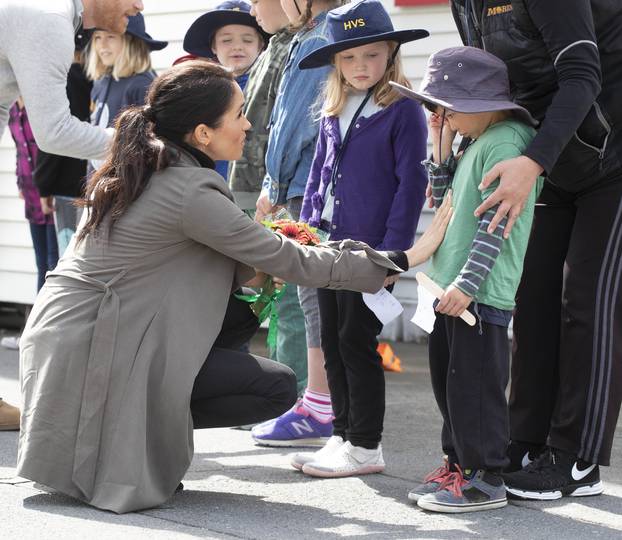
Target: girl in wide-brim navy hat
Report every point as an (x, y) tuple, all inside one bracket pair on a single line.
[(366, 183), (291, 143), (353, 25)]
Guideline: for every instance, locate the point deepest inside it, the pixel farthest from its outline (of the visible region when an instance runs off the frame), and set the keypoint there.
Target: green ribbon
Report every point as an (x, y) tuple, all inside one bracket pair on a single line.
[(263, 305)]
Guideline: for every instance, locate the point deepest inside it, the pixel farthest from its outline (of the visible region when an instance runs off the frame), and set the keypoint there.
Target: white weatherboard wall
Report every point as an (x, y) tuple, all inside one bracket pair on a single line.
[(169, 21)]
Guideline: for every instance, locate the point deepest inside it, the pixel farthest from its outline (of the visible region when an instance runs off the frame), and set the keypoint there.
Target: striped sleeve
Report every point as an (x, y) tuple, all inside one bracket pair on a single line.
[(484, 252), (440, 177)]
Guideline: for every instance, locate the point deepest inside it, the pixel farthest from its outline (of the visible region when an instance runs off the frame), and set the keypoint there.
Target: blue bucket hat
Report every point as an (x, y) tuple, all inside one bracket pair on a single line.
[(136, 28), (353, 25), (467, 80), (198, 39)]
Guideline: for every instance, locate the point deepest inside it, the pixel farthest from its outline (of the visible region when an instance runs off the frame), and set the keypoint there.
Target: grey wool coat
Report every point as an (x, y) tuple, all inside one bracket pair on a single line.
[(122, 326)]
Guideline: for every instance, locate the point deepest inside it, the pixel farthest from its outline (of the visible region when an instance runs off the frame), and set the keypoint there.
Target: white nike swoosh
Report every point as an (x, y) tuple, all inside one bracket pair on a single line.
[(580, 475), (526, 461)]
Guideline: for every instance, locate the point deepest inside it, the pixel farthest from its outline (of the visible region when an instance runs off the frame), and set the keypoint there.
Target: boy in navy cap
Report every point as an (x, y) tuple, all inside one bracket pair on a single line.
[(467, 91), (230, 35)]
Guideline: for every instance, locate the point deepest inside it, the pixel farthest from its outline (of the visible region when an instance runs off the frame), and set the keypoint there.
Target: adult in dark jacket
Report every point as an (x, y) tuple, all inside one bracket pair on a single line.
[(60, 179), (565, 66), (61, 175)]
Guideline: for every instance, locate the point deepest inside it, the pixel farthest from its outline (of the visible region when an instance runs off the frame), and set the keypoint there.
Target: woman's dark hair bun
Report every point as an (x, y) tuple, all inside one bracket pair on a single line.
[(148, 114)]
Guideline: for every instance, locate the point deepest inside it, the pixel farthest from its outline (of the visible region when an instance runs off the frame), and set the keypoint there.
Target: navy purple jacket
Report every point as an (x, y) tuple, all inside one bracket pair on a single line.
[(380, 184)]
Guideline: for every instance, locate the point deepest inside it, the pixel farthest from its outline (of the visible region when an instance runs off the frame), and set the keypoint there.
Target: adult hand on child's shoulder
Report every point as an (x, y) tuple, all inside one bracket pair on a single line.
[(453, 302), (517, 177)]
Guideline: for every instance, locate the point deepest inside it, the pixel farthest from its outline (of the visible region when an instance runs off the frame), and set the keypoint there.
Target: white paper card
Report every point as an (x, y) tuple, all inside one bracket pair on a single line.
[(384, 305), (425, 315)]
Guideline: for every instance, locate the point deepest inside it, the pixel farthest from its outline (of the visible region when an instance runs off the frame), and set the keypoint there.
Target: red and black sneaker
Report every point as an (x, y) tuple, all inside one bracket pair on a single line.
[(433, 481)]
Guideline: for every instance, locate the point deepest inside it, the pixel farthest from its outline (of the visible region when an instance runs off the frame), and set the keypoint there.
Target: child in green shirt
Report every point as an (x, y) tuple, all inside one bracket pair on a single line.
[(467, 92)]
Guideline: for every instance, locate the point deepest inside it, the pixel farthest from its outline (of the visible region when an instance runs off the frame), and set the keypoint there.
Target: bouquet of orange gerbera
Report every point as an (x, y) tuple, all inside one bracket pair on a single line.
[(263, 304), (302, 233)]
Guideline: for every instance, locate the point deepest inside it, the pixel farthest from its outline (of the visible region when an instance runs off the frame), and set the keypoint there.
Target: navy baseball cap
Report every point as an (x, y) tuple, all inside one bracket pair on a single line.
[(136, 28), (353, 25)]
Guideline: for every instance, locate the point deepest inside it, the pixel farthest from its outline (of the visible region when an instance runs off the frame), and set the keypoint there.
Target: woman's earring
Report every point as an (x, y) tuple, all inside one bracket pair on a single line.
[(204, 146)]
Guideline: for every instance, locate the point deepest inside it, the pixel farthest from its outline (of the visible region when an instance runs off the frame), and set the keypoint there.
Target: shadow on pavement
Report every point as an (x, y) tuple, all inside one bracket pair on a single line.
[(220, 513), (201, 513)]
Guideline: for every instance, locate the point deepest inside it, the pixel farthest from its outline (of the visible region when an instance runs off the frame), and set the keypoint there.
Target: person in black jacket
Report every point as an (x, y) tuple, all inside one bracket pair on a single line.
[(565, 65), (60, 179)]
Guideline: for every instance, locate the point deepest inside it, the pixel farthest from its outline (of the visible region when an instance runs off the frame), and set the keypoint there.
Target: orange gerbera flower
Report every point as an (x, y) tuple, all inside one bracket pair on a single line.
[(300, 232), (289, 229), (307, 238)]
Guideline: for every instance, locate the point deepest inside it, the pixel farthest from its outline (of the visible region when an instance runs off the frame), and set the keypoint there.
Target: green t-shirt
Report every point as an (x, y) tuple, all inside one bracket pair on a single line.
[(504, 140)]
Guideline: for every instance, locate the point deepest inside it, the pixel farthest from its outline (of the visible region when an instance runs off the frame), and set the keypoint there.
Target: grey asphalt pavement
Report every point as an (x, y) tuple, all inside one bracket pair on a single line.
[(235, 489)]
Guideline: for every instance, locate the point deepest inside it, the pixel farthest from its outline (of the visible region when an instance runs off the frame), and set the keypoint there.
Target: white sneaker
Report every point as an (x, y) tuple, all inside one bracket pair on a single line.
[(348, 460), (10, 342), (332, 445)]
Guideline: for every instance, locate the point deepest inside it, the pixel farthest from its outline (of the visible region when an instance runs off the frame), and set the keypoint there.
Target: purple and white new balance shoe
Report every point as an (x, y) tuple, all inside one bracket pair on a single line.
[(294, 428)]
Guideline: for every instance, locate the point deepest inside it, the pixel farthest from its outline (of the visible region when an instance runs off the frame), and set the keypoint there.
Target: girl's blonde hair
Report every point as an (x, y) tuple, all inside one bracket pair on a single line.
[(307, 16), (134, 58), (337, 88)]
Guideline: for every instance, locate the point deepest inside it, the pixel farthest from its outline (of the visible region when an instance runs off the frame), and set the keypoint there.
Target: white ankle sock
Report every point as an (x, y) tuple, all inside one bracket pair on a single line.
[(318, 405)]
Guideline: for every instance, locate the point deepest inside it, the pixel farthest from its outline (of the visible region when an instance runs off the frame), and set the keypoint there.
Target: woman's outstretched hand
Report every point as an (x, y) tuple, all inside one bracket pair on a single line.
[(433, 235)]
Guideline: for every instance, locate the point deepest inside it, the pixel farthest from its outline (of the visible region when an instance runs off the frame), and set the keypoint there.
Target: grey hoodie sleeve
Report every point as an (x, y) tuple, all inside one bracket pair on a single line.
[(40, 59)]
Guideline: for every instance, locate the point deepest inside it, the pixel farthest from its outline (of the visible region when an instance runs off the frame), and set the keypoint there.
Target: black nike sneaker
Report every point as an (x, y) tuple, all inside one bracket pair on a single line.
[(522, 454), (553, 475)]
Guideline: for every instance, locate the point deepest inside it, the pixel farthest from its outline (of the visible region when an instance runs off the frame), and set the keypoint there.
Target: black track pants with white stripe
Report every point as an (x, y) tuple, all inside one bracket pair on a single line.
[(567, 351)]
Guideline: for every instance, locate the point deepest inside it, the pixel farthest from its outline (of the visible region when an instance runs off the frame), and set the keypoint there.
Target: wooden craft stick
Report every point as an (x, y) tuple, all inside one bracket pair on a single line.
[(437, 291)]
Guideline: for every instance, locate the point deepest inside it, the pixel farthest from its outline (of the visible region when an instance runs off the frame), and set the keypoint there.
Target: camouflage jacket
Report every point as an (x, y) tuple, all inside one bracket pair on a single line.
[(247, 173)]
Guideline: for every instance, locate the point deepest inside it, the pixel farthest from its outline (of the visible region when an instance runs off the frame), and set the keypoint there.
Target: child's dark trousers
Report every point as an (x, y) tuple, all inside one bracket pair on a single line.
[(469, 372), (349, 335)]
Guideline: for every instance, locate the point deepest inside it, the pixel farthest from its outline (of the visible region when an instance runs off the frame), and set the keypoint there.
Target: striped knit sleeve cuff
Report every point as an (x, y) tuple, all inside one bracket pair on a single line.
[(440, 176), (483, 255)]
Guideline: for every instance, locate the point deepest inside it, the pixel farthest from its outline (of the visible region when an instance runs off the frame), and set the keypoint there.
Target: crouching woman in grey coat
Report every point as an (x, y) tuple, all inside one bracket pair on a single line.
[(117, 362)]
